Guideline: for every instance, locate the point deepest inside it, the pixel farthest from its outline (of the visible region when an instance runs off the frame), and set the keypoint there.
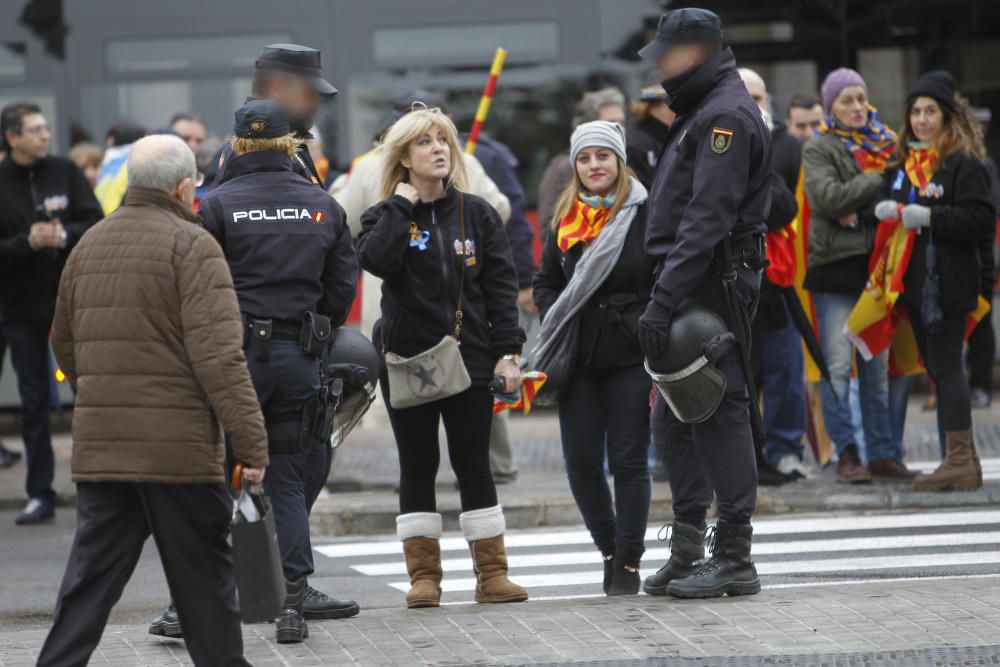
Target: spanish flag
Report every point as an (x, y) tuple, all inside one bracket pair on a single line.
[(799, 232), (531, 382)]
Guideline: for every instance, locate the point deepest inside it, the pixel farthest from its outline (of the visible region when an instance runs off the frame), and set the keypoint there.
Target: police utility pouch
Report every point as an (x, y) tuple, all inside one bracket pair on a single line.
[(436, 373), (260, 338), (315, 336)]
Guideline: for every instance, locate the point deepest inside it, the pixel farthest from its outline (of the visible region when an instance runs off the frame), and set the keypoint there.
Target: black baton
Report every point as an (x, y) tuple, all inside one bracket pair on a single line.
[(737, 316)]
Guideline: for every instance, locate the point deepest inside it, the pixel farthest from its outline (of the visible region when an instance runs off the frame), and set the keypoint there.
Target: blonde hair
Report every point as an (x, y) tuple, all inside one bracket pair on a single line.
[(622, 188), (285, 144), (396, 145)]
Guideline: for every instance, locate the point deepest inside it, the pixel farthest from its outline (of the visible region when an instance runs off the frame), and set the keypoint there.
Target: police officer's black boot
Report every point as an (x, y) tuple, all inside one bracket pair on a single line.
[(687, 550), (320, 606), (728, 572), (625, 570), (291, 625)]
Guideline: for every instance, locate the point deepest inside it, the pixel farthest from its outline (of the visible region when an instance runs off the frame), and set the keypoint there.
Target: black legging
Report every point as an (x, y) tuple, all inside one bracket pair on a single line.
[(467, 419), (942, 353)]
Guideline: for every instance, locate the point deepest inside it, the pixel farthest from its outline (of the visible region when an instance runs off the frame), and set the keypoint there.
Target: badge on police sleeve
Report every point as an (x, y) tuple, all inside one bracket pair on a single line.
[(722, 139)]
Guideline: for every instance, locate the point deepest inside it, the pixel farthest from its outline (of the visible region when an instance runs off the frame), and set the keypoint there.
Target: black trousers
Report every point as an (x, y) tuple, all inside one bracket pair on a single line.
[(609, 411), (284, 383), (942, 353), (467, 419), (190, 525), (718, 454), (29, 353), (982, 352)]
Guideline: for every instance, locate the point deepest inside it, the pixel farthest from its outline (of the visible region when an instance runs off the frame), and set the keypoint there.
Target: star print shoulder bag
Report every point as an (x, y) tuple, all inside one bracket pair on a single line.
[(438, 372)]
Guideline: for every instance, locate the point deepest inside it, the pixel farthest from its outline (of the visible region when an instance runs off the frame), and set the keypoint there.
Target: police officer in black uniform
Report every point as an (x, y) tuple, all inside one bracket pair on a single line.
[(295, 272), (292, 76), (707, 205)]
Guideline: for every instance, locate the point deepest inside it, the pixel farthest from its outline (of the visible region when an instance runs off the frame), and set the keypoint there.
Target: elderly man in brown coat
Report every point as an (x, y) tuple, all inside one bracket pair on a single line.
[(148, 330)]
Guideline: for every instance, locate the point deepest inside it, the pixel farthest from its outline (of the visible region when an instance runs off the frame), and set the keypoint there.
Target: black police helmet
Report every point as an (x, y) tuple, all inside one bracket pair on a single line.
[(686, 375), (353, 358)]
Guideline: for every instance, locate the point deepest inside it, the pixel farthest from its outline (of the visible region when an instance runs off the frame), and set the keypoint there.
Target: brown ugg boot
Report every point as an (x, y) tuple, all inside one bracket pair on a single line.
[(958, 470), (420, 532), (483, 530)]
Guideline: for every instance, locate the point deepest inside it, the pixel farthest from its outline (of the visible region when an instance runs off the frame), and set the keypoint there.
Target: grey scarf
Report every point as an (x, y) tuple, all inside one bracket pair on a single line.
[(555, 350)]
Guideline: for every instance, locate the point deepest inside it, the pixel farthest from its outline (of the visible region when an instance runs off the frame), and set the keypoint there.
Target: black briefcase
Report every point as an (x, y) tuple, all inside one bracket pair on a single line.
[(260, 581)]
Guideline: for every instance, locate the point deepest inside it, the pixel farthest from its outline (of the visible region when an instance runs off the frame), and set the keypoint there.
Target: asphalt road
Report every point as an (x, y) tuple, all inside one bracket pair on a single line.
[(790, 551)]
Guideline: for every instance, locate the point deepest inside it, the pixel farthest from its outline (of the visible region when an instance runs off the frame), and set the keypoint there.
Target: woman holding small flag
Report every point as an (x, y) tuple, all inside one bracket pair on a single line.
[(593, 284), (938, 188), (842, 176), (449, 327)]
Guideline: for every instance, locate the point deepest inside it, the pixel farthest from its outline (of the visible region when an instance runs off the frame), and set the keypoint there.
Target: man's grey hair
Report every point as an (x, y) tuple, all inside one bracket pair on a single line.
[(160, 162), (589, 107)]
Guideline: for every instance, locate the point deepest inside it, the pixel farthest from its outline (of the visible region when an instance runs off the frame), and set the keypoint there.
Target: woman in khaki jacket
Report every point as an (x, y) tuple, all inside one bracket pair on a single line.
[(842, 166)]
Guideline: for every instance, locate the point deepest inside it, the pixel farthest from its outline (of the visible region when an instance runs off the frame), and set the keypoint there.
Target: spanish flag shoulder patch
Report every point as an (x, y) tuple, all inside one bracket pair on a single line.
[(722, 139)]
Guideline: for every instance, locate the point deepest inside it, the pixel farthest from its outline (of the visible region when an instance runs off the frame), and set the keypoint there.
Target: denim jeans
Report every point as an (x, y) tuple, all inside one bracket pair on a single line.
[(899, 398), (832, 310), (784, 391)]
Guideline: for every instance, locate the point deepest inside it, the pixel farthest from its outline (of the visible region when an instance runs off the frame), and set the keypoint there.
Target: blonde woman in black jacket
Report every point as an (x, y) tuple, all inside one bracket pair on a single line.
[(431, 270)]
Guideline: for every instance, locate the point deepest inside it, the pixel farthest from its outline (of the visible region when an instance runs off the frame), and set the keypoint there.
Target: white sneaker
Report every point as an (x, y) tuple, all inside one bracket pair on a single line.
[(791, 465)]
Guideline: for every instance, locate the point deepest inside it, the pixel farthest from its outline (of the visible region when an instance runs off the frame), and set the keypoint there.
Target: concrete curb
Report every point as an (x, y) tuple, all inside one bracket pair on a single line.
[(379, 517)]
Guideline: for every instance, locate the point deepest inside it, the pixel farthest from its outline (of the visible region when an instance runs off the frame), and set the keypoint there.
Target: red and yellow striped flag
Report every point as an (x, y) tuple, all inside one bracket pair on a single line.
[(800, 244), (531, 382), (582, 223)]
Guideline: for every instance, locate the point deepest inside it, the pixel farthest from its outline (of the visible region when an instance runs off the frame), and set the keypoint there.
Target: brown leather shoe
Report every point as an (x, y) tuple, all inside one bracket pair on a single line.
[(891, 469), (850, 469)]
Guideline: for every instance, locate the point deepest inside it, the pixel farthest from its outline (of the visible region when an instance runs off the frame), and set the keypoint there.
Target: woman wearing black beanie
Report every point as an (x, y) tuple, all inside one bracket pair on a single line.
[(940, 190)]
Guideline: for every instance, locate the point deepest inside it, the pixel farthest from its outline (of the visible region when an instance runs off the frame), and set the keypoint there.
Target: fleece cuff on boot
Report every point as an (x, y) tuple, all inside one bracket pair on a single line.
[(482, 524), (418, 524)]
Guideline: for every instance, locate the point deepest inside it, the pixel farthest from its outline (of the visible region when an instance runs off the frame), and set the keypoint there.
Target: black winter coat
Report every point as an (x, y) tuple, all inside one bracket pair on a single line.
[(961, 217), (421, 273), (51, 188), (286, 241), (609, 320)]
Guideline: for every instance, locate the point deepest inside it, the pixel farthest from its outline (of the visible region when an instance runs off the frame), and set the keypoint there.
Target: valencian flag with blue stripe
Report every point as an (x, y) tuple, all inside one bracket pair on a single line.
[(531, 382)]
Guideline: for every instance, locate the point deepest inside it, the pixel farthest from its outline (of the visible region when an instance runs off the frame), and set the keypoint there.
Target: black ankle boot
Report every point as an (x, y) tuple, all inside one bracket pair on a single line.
[(728, 572), (606, 545), (687, 549), (291, 626), (625, 572)]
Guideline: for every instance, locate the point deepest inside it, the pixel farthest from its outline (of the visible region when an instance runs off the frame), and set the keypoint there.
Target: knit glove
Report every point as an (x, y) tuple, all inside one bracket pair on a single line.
[(887, 210), (916, 216)]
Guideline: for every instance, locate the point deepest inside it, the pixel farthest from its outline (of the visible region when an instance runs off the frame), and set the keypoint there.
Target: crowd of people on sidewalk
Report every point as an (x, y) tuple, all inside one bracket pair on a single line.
[(715, 283)]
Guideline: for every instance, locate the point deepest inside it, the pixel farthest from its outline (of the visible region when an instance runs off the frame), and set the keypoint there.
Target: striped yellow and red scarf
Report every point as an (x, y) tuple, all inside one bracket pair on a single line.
[(585, 220), (921, 162), (871, 146)]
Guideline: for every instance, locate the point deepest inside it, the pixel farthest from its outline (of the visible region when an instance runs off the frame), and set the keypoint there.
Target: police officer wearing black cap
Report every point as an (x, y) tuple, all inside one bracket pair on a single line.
[(707, 205), (295, 271), (292, 76)]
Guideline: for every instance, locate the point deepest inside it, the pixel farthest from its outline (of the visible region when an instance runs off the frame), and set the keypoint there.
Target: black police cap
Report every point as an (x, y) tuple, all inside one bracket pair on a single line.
[(261, 119), (683, 26), (297, 59)]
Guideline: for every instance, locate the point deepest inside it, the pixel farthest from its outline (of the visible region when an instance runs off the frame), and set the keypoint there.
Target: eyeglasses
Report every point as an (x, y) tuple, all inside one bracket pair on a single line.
[(36, 130), (199, 179)]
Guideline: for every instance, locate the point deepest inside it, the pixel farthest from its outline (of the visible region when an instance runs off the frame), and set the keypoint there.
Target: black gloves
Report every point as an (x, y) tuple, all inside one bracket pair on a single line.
[(654, 330)]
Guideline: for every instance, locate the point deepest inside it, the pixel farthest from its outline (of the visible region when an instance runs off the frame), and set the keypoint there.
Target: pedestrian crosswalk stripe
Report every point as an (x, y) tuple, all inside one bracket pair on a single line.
[(764, 527), (517, 561), (559, 579)]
